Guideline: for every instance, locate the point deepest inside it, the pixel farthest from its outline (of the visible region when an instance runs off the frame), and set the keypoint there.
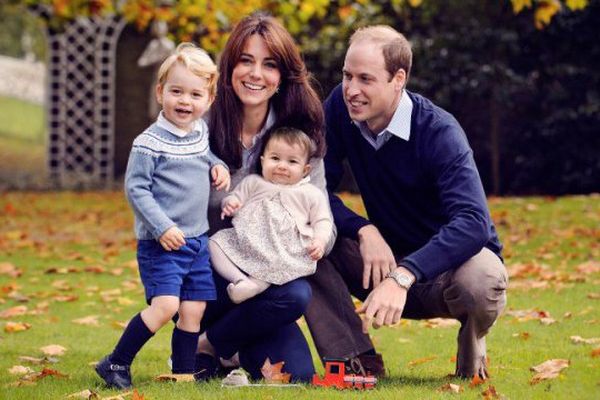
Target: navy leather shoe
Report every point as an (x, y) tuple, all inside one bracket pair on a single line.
[(115, 376)]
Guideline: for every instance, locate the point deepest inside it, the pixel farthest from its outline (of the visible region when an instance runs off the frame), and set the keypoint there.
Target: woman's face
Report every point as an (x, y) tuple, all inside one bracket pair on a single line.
[(256, 76)]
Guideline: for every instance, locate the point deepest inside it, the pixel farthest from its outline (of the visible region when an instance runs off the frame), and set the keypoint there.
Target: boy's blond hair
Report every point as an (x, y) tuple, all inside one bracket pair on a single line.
[(194, 59)]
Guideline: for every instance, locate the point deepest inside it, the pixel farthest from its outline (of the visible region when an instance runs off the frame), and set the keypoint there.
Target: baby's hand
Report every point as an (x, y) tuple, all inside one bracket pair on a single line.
[(172, 239), (316, 249), (220, 176), (230, 207)]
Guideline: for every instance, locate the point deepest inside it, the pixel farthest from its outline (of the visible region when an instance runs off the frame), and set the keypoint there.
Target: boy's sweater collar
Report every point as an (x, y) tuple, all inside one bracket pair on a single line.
[(165, 124)]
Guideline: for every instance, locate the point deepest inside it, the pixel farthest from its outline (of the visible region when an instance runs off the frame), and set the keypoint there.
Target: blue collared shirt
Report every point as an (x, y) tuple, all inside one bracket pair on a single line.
[(398, 126)]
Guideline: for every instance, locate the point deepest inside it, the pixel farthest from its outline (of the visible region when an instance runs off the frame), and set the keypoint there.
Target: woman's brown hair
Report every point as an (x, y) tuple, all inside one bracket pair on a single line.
[(295, 105)]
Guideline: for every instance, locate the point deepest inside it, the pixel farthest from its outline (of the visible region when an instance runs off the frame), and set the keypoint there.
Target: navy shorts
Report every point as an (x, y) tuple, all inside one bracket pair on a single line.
[(184, 273)]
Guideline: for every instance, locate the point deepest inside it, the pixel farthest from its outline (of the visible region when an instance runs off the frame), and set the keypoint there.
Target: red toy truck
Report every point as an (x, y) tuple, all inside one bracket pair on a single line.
[(337, 376)]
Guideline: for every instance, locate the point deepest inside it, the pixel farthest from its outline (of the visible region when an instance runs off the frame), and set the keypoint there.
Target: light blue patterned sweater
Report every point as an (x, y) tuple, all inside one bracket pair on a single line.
[(167, 181)]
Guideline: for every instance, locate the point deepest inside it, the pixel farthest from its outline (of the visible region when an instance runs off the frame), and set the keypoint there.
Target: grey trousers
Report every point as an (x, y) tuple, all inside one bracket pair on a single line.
[(474, 294)]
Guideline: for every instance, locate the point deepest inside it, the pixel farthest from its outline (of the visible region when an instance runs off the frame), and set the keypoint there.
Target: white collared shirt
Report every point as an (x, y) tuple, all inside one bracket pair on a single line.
[(399, 125), (164, 123)]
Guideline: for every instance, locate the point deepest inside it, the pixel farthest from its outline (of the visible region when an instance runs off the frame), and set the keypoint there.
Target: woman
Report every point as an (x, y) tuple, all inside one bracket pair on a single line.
[(263, 85)]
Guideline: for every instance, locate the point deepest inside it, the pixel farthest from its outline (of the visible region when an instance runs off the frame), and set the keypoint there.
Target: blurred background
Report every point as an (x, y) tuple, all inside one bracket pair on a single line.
[(521, 76)]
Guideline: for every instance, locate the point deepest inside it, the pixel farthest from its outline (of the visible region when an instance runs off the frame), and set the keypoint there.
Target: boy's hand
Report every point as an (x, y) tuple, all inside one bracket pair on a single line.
[(230, 207), (172, 239), (220, 176), (316, 249)]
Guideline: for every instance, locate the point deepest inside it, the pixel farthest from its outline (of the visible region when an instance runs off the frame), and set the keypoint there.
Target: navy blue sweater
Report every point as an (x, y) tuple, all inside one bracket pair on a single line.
[(424, 195)]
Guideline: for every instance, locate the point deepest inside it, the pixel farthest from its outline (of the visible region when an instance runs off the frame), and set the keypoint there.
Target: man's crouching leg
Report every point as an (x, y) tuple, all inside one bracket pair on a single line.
[(476, 297)]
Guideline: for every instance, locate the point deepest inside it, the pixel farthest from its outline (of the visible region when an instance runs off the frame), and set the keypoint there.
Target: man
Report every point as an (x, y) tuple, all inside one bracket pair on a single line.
[(429, 248)]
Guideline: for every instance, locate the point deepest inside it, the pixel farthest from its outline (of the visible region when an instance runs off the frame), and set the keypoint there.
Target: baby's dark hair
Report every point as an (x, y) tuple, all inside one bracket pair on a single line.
[(291, 136)]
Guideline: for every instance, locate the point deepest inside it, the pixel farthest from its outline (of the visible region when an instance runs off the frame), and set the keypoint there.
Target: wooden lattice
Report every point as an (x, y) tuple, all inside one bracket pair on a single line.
[(81, 79)]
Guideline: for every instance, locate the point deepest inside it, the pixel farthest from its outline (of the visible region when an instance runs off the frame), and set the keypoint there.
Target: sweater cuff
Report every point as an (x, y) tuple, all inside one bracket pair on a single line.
[(412, 268)]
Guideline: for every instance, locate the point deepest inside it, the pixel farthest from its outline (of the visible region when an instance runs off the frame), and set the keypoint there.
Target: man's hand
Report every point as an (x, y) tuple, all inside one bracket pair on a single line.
[(172, 239), (316, 249), (220, 176), (383, 306), (378, 259), (230, 207)]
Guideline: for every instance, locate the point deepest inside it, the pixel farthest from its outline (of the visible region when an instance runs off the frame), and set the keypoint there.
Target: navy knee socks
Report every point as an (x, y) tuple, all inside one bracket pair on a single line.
[(183, 351), (133, 339)]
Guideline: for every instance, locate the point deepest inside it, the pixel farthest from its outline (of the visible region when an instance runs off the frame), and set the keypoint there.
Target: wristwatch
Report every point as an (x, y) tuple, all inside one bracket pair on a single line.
[(402, 278)]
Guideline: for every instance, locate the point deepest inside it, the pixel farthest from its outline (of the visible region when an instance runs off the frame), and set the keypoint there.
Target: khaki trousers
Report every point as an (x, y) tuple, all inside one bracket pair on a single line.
[(474, 294)]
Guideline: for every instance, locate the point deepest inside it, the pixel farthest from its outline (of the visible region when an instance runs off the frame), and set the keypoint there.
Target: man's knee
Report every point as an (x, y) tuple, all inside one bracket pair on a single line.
[(480, 286)]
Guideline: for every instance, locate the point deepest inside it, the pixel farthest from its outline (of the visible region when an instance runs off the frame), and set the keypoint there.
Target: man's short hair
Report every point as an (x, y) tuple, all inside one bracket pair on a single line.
[(397, 51), (196, 60)]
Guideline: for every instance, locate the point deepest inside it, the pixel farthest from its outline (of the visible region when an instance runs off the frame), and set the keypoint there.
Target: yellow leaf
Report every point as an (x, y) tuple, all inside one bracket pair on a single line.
[(544, 13), (519, 5), (548, 370), (415, 3), (91, 320), (12, 327), (577, 4)]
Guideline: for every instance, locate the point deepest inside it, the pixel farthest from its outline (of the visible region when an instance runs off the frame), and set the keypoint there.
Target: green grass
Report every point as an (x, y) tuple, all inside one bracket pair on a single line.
[(22, 144), (89, 230)]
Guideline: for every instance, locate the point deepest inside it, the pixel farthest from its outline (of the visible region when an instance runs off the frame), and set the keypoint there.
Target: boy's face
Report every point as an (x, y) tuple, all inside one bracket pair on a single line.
[(284, 163), (184, 97)]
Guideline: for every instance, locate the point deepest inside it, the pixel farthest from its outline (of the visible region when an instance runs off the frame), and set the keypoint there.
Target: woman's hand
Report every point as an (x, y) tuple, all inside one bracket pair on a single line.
[(220, 176), (231, 205), (316, 249)]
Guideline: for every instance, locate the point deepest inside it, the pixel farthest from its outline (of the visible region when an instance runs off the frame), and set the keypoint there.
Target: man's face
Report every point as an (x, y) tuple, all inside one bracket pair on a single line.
[(369, 93)]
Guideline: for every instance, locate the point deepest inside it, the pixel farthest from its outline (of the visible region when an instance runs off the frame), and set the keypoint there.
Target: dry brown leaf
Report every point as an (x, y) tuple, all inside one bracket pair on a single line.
[(547, 321), (91, 320), (580, 340), (476, 381), (125, 301), (12, 327), (589, 267), (84, 394), (137, 395), (62, 285), (273, 372), (593, 296), (19, 370), (175, 378), (419, 361), (451, 388), (548, 370), (36, 376), (9, 269), (53, 350), (490, 393), (595, 352), (13, 312), (66, 298), (96, 269), (116, 271)]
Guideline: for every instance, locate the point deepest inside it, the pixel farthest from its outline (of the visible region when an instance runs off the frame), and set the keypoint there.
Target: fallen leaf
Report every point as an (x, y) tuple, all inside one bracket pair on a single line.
[(62, 285), (13, 312), (91, 320), (9, 269), (96, 269), (273, 372), (84, 394), (522, 335), (419, 361), (596, 352), (137, 395), (547, 321), (490, 393), (53, 350), (37, 360), (175, 378), (580, 340), (19, 370), (12, 327), (41, 375), (476, 381), (451, 388), (66, 298), (121, 396), (589, 267), (548, 370), (441, 323), (125, 301), (593, 296)]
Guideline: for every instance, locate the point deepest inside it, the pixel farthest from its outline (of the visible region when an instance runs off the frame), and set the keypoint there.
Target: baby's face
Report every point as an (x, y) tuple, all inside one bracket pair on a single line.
[(284, 163)]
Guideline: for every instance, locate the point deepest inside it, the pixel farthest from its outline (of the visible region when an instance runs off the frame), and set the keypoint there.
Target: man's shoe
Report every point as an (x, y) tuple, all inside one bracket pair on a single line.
[(206, 367), (368, 364), (115, 376)]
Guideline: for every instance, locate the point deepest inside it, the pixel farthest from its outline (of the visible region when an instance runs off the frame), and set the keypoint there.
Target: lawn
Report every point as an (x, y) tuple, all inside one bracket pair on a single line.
[(22, 144), (68, 277)]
